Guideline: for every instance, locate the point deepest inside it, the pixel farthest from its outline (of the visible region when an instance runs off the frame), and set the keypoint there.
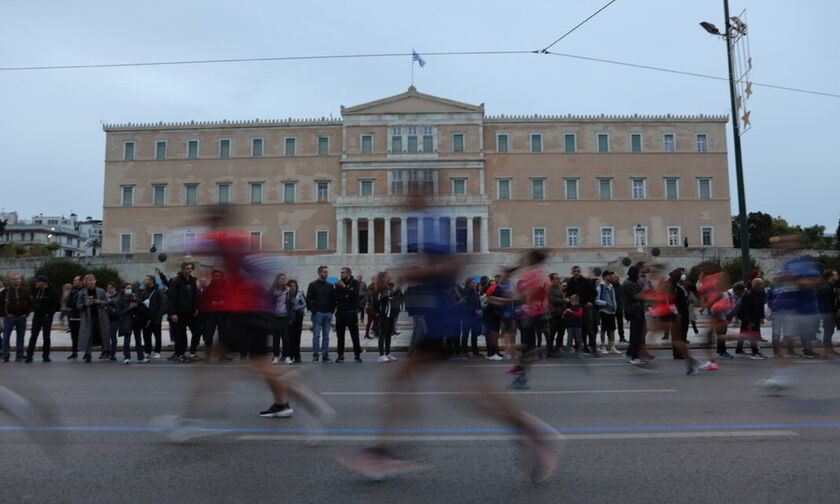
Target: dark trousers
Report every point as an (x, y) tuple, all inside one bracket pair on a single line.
[(279, 332), (470, 329), (373, 319), (41, 322), (679, 331), (637, 330), (152, 329), (214, 321), (196, 332), (828, 325), (295, 330), (619, 324), (75, 326), (138, 343), (556, 328), (590, 326), (347, 321), (179, 332), (386, 329)]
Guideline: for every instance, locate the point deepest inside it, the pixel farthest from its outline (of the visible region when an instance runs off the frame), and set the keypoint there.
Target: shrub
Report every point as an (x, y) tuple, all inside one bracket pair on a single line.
[(60, 271), (734, 270), (105, 275)]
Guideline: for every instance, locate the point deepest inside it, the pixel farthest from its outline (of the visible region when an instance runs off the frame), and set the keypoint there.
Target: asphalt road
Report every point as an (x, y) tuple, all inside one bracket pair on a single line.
[(629, 436)]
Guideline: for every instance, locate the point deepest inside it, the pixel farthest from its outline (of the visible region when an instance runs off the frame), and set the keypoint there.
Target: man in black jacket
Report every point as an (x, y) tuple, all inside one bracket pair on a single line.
[(45, 302), (320, 301), (74, 321), (585, 290), (154, 300), (346, 313), (183, 309)]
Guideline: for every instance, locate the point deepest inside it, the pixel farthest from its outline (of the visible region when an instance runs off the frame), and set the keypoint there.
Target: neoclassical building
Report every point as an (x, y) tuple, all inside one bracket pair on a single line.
[(503, 183)]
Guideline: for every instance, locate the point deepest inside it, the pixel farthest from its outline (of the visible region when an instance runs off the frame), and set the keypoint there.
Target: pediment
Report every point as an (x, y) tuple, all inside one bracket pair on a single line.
[(412, 102)]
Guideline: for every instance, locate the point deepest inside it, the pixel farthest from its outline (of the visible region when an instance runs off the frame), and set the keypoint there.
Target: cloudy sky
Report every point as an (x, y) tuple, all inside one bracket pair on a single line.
[(52, 144)]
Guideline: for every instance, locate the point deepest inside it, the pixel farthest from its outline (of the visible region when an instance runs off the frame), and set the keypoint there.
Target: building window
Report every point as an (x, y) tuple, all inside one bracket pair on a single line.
[(672, 188), (503, 189), (290, 146), (538, 237), (428, 139), (128, 151), (288, 240), (191, 194), (366, 188), (607, 237), (570, 142), (536, 142), (605, 188), (160, 150), (640, 236), (573, 237), (321, 240), (192, 149), (396, 139), (636, 142), (458, 142), (673, 236), (323, 146), (538, 189), (706, 236), (459, 187), (411, 141), (572, 189), (603, 142), (159, 195), (256, 147), (256, 240), (125, 242), (504, 238), (638, 185), (289, 192), (157, 241), (323, 192), (224, 148), (256, 193), (397, 182), (224, 194), (704, 188), (701, 143), (367, 144), (127, 195), (668, 143), (502, 143)]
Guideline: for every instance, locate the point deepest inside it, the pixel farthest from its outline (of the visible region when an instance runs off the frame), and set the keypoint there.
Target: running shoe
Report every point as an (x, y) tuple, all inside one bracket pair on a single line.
[(374, 464), (726, 355), (288, 360), (520, 383), (277, 411), (275, 360), (710, 366), (156, 355), (616, 351), (391, 357), (602, 350), (637, 362), (495, 357), (757, 356), (775, 384), (809, 354), (384, 358), (515, 370), (127, 361)]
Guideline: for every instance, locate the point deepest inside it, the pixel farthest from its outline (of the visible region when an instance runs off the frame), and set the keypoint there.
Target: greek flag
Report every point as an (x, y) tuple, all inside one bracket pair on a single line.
[(416, 57)]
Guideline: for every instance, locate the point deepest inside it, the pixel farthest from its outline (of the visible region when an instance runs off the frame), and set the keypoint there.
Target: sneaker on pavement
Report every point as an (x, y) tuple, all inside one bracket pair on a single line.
[(277, 411), (315, 357), (275, 360), (126, 361), (515, 370), (637, 362), (710, 366), (757, 356), (340, 358), (726, 355), (809, 354), (358, 358), (391, 357), (156, 355), (289, 360), (384, 358), (326, 358), (495, 357), (616, 351)]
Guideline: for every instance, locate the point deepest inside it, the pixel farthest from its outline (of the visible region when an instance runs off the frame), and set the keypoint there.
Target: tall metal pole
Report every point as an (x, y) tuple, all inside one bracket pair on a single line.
[(746, 265)]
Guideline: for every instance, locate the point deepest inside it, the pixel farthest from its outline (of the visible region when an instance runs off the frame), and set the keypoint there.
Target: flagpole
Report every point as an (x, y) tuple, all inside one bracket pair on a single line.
[(412, 70)]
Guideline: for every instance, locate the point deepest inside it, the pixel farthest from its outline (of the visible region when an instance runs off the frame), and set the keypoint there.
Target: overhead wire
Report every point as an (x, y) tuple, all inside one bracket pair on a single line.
[(549, 46)]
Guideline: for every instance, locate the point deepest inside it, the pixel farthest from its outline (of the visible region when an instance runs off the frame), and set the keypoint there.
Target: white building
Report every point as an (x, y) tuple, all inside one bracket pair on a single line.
[(44, 230)]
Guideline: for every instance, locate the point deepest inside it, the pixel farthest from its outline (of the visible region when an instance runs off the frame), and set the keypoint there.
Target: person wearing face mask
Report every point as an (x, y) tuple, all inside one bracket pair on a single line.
[(113, 317), (133, 316), (154, 300)]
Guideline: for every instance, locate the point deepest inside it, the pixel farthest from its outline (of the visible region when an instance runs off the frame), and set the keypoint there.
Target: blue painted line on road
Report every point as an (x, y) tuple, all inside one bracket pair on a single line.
[(627, 428)]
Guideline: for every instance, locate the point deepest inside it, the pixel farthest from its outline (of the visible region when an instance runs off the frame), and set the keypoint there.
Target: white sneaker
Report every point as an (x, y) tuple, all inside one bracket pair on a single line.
[(776, 384), (602, 350), (275, 360), (616, 351), (637, 362), (384, 358), (146, 360), (495, 357), (156, 355), (127, 361), (391, 357), (193, 356), (289, 360)]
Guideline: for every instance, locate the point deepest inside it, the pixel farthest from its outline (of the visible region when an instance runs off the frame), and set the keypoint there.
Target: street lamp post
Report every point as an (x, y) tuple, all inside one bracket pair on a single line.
[(746, 265)]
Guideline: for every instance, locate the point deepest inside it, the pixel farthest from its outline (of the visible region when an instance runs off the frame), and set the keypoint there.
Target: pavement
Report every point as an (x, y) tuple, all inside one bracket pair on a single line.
[(631, 436)]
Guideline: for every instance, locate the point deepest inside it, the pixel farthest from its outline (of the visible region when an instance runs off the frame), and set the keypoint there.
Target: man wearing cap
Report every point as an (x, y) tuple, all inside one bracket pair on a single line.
[(15, 305), (45, 302)]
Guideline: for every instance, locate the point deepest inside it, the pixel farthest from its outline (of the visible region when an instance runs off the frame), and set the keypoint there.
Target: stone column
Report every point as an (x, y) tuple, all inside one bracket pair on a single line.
[(453, 234), (340, 247), (371, 235), (436, 230), (387, 242), (421, 232), (470, 233), (354, 239), (404, 235), (485, 244)]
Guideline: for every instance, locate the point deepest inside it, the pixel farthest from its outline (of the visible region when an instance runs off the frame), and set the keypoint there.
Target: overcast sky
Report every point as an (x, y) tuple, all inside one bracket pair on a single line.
[(52, 144)]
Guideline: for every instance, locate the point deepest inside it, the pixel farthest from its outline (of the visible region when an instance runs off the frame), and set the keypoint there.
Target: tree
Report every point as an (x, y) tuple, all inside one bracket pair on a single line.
[(60, 271), (759, 225), (105, 275), (95, 243), (734, 270), (814, 238), (837, 236)]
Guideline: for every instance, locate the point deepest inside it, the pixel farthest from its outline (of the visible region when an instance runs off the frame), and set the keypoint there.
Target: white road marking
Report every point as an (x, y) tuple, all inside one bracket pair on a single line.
[(512, 392), (437, 438)]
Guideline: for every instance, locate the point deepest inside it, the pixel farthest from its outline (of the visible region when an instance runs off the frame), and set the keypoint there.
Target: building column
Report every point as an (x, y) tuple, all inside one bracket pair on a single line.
[(354, 239), (371, 235), (470, 232), (485, 244), (421, 232), (387, 242), (436, 230), (453, 234), (339, 237), (404, 235)]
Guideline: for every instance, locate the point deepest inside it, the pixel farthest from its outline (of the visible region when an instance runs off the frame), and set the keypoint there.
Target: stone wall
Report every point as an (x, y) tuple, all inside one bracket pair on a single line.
[(133, 267)]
